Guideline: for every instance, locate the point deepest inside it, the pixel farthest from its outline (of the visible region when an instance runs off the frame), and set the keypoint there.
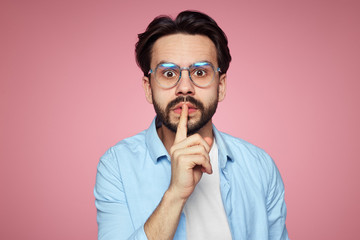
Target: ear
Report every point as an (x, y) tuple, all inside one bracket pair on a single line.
[(222, 87), (147, 89)]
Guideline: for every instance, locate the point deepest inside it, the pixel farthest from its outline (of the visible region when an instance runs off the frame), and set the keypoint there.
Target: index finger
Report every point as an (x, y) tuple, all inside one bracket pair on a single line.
[(181, 132)]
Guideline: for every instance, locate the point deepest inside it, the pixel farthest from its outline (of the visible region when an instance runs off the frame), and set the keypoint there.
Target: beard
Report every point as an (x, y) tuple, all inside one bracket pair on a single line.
[(163, 115)]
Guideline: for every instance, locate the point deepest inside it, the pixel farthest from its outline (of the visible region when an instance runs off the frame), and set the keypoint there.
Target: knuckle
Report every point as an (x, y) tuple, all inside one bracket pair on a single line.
[(175, 154), (201, 158), (206, 158), (197, 136), (203, 149)]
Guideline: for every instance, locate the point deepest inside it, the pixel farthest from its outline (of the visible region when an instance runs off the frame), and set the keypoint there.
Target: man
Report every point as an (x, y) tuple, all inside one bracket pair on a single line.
[(182, 178)]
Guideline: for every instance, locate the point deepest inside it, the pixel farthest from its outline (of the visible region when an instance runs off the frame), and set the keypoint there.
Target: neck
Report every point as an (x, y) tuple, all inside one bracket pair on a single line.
[(168, 137)]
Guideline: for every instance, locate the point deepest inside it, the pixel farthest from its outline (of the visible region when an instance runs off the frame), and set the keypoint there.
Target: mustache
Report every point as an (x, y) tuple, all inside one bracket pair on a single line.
[(189, 99)]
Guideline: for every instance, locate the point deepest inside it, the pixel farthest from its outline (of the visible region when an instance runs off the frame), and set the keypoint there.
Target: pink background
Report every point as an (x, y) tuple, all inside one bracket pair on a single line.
[(70, 89)]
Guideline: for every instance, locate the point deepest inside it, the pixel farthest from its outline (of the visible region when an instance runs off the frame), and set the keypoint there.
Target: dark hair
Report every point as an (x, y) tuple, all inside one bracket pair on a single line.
[(188, 22)]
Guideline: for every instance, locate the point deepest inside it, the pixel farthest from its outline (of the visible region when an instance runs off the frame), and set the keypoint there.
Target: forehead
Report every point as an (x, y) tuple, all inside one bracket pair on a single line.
[(183, 49)]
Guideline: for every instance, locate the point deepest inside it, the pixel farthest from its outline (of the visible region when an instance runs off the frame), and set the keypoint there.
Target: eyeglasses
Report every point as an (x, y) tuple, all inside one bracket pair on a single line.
[(169, 74)]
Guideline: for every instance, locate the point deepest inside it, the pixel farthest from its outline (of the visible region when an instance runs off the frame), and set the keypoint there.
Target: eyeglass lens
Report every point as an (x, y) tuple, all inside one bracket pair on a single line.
[(168, 74)]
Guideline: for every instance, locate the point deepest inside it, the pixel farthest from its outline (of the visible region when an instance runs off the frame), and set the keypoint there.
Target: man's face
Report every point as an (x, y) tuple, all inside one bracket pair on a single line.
[(184, 50)]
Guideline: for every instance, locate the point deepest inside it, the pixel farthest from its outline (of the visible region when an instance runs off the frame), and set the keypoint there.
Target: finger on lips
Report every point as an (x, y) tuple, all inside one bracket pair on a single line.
[(181, 132), (194, 148)]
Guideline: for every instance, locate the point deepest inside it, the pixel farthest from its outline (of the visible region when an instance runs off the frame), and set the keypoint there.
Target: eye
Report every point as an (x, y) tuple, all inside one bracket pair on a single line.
[(169, 73), (199, 73)]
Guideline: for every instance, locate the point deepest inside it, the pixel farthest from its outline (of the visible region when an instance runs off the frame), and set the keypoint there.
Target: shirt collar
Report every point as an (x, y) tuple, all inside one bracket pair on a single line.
[(157, 149), (155, 146), (225, 153)]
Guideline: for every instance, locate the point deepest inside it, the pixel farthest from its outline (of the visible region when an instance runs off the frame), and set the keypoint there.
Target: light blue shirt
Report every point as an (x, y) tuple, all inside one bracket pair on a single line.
[(133, 175)]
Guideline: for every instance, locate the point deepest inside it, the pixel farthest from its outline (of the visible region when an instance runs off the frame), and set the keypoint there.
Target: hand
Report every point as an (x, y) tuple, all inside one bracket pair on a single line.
[(189, 159)]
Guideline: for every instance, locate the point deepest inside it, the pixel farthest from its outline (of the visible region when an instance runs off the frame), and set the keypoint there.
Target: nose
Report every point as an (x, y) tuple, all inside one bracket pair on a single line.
[(185, 86)]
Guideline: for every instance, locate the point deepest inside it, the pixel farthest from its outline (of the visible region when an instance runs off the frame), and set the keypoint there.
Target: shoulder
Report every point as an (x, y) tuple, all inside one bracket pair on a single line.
[(134, 145)]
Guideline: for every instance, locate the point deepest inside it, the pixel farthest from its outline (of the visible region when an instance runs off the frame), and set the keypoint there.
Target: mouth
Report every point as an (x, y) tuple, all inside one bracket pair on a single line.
[(178, 107)]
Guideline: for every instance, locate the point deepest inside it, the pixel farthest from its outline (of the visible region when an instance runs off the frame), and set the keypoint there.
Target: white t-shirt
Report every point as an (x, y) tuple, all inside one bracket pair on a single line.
[(204, 210)]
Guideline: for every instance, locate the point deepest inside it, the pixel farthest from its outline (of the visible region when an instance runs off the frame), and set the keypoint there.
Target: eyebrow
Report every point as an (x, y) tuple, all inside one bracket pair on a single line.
[(170, 64), (201, 63), (167, 64)]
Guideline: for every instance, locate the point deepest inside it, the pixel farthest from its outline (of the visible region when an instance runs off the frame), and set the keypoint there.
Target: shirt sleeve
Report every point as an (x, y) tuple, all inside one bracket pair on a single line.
[(276, 207), (113, 216)]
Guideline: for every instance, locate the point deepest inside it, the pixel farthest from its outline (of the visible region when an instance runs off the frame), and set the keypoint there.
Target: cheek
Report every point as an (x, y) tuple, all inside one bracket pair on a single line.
[(162, 98), (209, 96)]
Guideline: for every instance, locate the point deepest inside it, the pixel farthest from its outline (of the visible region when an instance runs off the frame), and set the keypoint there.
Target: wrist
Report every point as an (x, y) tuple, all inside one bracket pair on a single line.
[(174, 198)]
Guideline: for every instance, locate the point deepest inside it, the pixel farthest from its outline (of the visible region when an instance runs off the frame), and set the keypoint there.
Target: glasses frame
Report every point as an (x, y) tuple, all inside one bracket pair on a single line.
[(181, 69)]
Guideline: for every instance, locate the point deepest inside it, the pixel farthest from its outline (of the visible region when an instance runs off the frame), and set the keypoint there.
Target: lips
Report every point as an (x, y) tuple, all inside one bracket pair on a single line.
[(175, 105), (178, 107)]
